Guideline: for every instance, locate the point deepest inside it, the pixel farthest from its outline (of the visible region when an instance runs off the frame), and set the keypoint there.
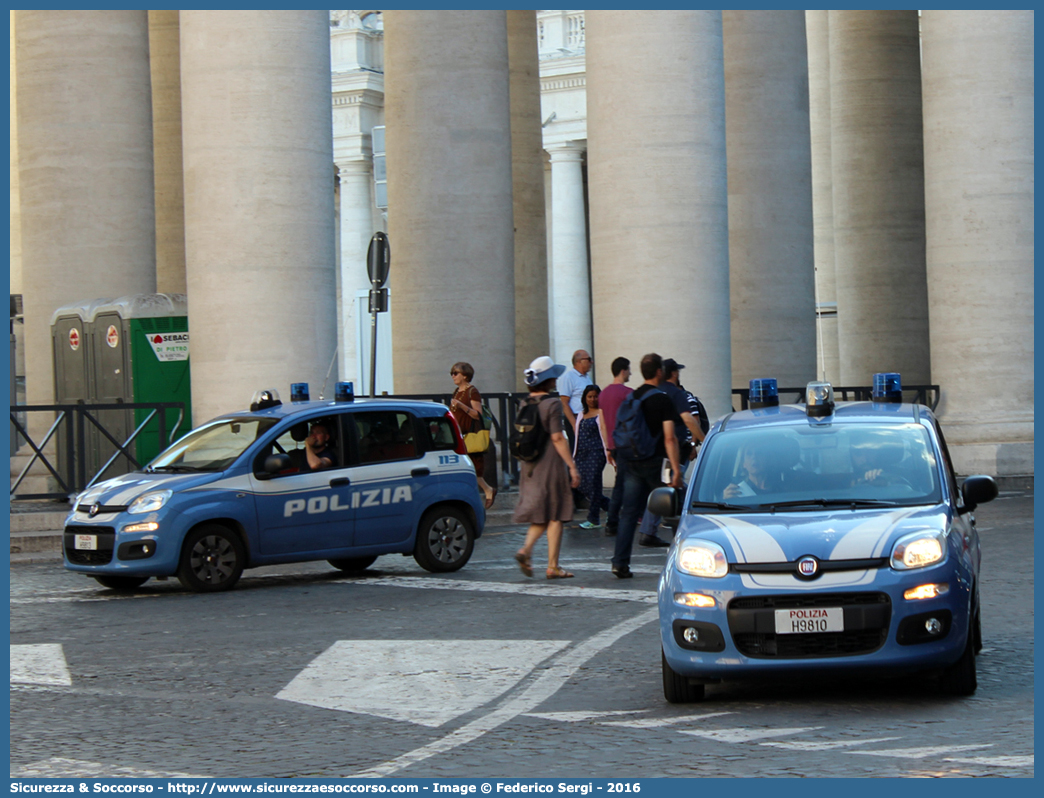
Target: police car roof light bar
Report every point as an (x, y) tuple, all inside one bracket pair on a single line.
[(299, 392), (888, 387), (763, 393), (267, 397), (344, 392), (819, 399)]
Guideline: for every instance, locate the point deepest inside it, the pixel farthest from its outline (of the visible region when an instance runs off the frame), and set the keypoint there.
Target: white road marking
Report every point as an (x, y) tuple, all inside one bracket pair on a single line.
[(536, 693), (42, 663), (59, 768), (429, 682), (921, 753), (577, 717), (63, 599), (513, 588), (740, 735), (654, 723), (995, 761), (827, 746)]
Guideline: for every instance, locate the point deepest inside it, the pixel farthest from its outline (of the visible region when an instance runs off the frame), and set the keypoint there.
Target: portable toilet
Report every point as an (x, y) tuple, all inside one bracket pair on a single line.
[(72, 369), (140, 353)]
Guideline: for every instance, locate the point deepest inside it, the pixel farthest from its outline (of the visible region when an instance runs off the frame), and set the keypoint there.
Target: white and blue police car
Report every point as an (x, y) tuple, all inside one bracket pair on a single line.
[(238, 492), (824, 538)]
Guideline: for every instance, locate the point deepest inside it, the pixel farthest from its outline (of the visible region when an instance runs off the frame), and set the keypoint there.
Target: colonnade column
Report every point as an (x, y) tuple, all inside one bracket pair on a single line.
[(165, 58), (356, 178), (877, 152), (527, 178), (259, 215), (978, 160), (771, 268), (84, 113), (659, 219), (16, 214), (450, 216), (817, 32), (571, 289)]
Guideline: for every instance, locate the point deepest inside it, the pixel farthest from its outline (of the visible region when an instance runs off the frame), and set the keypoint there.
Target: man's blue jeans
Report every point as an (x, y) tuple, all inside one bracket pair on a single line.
[(641, 478)]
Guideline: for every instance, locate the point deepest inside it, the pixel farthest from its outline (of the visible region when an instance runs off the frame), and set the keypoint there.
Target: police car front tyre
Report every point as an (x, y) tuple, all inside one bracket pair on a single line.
[(677, 689), (121, 582), (445, 540), (960, 678), (352, 564), (212, 559)]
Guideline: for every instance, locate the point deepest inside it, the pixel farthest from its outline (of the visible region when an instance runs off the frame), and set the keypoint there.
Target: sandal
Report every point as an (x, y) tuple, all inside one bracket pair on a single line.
[(558, 573), (491, 498), (523, 562)]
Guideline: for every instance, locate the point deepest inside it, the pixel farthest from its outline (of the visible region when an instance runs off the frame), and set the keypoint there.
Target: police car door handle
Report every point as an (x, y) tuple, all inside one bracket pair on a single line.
[(340, 482), (420, 472)]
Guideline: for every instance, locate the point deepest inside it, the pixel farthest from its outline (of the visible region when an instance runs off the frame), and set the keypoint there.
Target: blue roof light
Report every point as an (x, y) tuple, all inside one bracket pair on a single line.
[(299, 392), (344, 392), (763, 393), (888, 387)]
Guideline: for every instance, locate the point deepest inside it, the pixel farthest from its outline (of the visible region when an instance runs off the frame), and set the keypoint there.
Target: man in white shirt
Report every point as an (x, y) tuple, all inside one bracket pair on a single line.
[(571, 387)]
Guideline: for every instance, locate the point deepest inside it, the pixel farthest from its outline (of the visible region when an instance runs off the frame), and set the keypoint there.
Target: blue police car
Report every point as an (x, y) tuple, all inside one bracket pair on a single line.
[(240, 492), (823, 537)]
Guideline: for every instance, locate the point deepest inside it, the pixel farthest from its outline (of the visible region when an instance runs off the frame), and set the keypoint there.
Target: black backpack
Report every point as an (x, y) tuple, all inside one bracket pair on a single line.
[(697, 409), (631, 437), (528, 437)]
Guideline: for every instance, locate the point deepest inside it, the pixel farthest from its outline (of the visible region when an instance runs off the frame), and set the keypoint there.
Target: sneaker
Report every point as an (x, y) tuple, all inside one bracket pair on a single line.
[(622, 572), (610, 531), (589, 525), (652, 542)]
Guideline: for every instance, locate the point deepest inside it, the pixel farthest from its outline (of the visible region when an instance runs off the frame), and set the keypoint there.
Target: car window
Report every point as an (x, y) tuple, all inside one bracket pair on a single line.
[(385, 435), (292, 442), (212, 447), (758, 466), (441, 436)]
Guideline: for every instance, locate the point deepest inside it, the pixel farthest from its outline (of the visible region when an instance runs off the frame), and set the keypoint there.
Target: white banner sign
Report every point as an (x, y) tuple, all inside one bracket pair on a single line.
[(170, 346)]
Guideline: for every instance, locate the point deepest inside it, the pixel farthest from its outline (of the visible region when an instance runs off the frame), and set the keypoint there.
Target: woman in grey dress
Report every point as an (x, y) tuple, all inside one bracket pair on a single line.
[(545, 485)]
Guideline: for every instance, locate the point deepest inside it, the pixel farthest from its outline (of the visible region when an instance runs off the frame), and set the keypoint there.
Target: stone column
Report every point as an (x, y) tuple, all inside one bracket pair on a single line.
[(817, 32), (771, 270), (259, 217), (449, 197), (659, 219), (16, 215), (165, 58), (878, 180), (570, 282), (85, 168), (527, 178), (978, 161), (356, 178)]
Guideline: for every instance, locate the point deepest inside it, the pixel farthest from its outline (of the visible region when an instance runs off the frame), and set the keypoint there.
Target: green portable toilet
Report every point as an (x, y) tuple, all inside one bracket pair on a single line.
[(140, 353)]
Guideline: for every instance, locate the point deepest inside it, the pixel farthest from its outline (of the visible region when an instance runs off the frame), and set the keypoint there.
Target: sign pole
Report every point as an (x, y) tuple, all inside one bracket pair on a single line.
[(378, 263)]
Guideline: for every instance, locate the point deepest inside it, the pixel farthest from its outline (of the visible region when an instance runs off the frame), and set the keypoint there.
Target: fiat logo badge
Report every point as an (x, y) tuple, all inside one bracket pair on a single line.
[(95, 509), (808, 567)]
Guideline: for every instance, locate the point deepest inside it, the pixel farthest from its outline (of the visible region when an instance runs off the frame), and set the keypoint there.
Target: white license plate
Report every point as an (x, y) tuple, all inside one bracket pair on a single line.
[(812, 619), (86, 543)]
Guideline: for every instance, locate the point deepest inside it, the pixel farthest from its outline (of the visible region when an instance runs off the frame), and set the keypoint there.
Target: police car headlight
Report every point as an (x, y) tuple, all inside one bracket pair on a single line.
[(918, 550), (150, 502), (702, 558)]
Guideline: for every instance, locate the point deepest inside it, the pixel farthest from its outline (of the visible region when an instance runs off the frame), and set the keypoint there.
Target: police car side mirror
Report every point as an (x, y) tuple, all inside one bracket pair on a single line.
[(977, 490), (277, 463), (664, 502)]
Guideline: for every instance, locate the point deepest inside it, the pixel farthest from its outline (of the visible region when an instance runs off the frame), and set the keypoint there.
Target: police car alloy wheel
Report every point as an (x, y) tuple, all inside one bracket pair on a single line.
[(353, 564), (122, 582), (676, 688), (212, 559), (445, 540)]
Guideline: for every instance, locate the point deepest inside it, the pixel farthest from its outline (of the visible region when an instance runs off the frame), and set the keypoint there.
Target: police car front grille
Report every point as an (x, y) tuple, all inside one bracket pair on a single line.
[(103, 554), (866, 617), (822, 644)]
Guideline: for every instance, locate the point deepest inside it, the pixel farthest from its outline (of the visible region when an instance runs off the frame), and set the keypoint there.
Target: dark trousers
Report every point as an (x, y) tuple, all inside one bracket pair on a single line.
[(642, 477), (616, 498)]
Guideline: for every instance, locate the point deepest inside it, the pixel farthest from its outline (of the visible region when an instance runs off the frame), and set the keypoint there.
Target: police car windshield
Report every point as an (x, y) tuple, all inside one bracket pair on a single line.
[(805, 469), (213, 446)]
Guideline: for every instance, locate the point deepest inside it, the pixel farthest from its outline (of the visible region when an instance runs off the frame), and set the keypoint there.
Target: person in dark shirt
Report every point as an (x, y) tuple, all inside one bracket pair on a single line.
[(317, 453), (643, 476)]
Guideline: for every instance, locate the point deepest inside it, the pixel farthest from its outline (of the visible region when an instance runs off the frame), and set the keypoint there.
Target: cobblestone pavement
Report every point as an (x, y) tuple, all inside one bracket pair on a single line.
[(301, 671)]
